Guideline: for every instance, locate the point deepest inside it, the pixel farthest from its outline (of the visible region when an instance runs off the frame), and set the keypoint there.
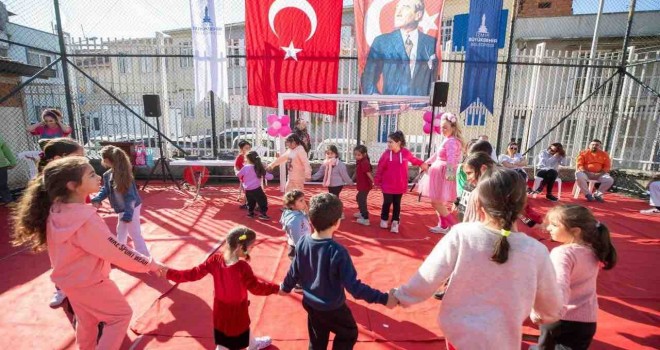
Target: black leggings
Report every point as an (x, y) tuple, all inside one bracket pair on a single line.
[(562, 334), (256, 197), (389, 199), (336, 190), (549, 176)]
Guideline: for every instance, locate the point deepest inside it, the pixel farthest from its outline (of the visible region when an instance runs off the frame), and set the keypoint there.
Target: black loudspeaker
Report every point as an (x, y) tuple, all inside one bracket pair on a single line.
[(439, 94), (151, 105)]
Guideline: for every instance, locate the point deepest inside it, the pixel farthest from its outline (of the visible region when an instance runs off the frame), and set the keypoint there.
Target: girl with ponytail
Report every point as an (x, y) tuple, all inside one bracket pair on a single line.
[(498, 275), (119, 186), (52, 215), (586, 245)]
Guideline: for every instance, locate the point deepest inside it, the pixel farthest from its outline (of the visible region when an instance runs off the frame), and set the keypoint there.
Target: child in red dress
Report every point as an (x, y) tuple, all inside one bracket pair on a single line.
[(232, 279)]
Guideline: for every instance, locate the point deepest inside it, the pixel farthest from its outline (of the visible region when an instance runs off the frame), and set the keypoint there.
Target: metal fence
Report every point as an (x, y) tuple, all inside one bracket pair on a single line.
[(539, 83)]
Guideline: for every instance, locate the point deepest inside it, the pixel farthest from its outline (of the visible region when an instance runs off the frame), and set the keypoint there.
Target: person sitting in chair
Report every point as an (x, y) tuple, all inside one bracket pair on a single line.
[(594, 164), (548, 168)]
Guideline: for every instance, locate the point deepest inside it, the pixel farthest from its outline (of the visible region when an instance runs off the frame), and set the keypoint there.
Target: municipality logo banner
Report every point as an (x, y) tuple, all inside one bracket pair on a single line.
[(481, 53), (209, 48)]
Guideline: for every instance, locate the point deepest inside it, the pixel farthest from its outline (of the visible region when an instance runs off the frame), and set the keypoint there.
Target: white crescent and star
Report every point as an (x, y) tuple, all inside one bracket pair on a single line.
[(302, 5)]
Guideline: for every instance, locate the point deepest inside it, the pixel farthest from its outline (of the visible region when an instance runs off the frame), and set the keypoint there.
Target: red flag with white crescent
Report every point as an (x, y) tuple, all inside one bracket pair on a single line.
[(399, 45), (292, 46)]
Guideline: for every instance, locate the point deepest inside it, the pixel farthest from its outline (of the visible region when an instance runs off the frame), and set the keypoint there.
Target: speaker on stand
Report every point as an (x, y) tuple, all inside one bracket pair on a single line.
[(152, 110), (438, 97)]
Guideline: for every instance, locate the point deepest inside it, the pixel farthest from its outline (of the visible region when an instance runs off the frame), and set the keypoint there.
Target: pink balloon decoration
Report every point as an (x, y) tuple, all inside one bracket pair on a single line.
[(431, 121), (278, 125)]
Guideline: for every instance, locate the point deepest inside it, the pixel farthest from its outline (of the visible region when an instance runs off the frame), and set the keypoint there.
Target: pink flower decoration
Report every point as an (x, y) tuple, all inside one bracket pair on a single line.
[(430, 119), (278, 125)]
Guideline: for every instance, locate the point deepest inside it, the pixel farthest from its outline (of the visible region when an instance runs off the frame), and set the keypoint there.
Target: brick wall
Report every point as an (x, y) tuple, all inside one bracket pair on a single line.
[(545, 8), (7, 84)]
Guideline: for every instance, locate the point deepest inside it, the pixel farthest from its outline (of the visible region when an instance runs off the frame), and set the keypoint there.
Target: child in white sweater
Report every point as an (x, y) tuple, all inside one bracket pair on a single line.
[(586, 244), (498, 275)]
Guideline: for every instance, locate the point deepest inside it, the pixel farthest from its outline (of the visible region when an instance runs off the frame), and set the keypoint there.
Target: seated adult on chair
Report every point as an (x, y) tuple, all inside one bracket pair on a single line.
[(594, 164), (548, 166), (514, 160)]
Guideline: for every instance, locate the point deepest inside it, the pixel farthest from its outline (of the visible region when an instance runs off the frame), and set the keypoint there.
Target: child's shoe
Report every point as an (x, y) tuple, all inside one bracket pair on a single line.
[(264, 217), (395, 227), (250, 215), (439, 229), (357, 215), (243, 206), (260, 343), (383, 224), (58, 299), (298, 289), (363, 221)]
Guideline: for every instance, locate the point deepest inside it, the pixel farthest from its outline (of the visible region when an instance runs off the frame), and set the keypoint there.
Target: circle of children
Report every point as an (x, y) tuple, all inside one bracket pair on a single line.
[(518, 277)]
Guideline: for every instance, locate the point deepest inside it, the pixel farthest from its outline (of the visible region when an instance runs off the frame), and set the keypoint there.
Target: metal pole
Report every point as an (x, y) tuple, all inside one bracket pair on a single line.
[(65, 68), (214, 137), (359, 124), (23, 84), (428, 152), (507, 76), (621, 72)]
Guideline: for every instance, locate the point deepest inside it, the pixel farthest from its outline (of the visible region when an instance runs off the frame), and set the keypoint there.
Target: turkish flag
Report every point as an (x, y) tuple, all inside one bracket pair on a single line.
[(292, 46), (377, 22)]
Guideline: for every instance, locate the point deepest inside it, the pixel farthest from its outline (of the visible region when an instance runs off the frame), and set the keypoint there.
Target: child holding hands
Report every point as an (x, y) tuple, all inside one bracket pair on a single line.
[(333, 171), (324, 268), (251, 176), (232, 279)]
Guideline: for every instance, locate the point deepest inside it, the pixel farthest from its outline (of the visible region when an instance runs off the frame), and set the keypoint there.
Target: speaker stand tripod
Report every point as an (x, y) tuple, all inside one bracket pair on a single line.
[(162, 161)]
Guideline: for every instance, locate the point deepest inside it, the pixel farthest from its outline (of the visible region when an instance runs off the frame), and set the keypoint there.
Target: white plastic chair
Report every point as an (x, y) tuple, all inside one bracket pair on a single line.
[(31, 158), (576, 188), (537, 183)]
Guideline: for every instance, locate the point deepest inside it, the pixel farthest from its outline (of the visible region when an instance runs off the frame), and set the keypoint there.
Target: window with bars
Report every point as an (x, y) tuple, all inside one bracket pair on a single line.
[(124, 64), (189, 109), (185, 49), (446, 30), (146, 63), (39, 59), (234, 49)]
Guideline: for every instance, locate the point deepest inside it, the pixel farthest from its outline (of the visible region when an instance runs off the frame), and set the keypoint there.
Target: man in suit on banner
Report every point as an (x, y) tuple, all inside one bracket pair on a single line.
[(405, 58)]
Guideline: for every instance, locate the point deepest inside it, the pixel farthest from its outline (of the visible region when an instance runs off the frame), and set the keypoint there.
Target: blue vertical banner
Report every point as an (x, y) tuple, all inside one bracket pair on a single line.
[(481, 53)]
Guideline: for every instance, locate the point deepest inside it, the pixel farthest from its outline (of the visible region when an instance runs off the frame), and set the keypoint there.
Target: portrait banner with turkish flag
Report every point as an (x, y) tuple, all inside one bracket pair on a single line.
[(293, 46), (399, 45)]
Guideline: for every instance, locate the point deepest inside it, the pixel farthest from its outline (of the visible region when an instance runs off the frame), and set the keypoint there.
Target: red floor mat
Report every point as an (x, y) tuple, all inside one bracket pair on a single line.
[(181, 232)]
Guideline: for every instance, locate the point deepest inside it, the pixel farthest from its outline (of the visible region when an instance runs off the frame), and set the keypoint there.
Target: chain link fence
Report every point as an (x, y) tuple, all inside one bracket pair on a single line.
[(120, 50)]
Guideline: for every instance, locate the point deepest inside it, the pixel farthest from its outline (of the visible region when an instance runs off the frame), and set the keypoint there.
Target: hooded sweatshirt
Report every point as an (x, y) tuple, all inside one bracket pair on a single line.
[(392, 171), (81, 247), (296, 225)]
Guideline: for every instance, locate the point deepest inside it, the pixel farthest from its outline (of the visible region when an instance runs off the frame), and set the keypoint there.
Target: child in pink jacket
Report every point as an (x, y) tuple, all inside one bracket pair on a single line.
[(297, 164), (52, 213), (392, 177)]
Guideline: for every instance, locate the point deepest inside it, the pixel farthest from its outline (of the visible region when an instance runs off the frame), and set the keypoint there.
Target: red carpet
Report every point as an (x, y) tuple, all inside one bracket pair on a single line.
[(180, 233)]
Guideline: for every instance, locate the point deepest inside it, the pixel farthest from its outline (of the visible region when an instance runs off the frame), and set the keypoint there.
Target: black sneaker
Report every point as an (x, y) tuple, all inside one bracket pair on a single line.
[(551, 198), (599, 199), (263, 217), (250, 215), (298, 289), (589, 197), (244, 207), (529, 222), (439, 295)]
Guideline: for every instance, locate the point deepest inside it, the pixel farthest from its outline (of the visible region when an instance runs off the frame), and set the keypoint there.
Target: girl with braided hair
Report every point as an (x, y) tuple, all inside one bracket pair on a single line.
[(586, 244), (498, 275), (232, 279)]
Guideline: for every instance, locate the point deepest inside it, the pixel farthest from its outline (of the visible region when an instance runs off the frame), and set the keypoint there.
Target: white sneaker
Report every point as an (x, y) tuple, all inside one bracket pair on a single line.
[(363, 221), (439, 229), (652, 211), (58, 299), (395, 227), (383, 224), (261, 343), (357, 215)]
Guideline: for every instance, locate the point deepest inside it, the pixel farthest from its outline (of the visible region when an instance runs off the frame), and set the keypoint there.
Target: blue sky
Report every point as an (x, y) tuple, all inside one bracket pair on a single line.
[(142, 18)]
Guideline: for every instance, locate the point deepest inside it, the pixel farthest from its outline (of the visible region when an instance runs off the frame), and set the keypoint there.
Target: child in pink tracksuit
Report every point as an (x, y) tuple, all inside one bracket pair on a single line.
[(392, 177), (52, 213), (298, 167)]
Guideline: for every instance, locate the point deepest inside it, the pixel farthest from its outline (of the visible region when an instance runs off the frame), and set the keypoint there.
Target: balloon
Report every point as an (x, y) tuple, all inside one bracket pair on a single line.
[(271, 118), (427, 116), (284, 119), (427, 128), (276, 125), (285, 131), (273, 132), (437, 122)]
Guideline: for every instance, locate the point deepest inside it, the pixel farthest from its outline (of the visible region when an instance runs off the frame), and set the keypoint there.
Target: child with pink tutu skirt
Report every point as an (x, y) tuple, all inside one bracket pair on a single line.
[(439, 182)]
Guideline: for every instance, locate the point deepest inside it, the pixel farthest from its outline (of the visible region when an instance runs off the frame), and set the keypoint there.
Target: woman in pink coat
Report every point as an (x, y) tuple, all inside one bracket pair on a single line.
[(297, 164), (439, 183), (52, 214)]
